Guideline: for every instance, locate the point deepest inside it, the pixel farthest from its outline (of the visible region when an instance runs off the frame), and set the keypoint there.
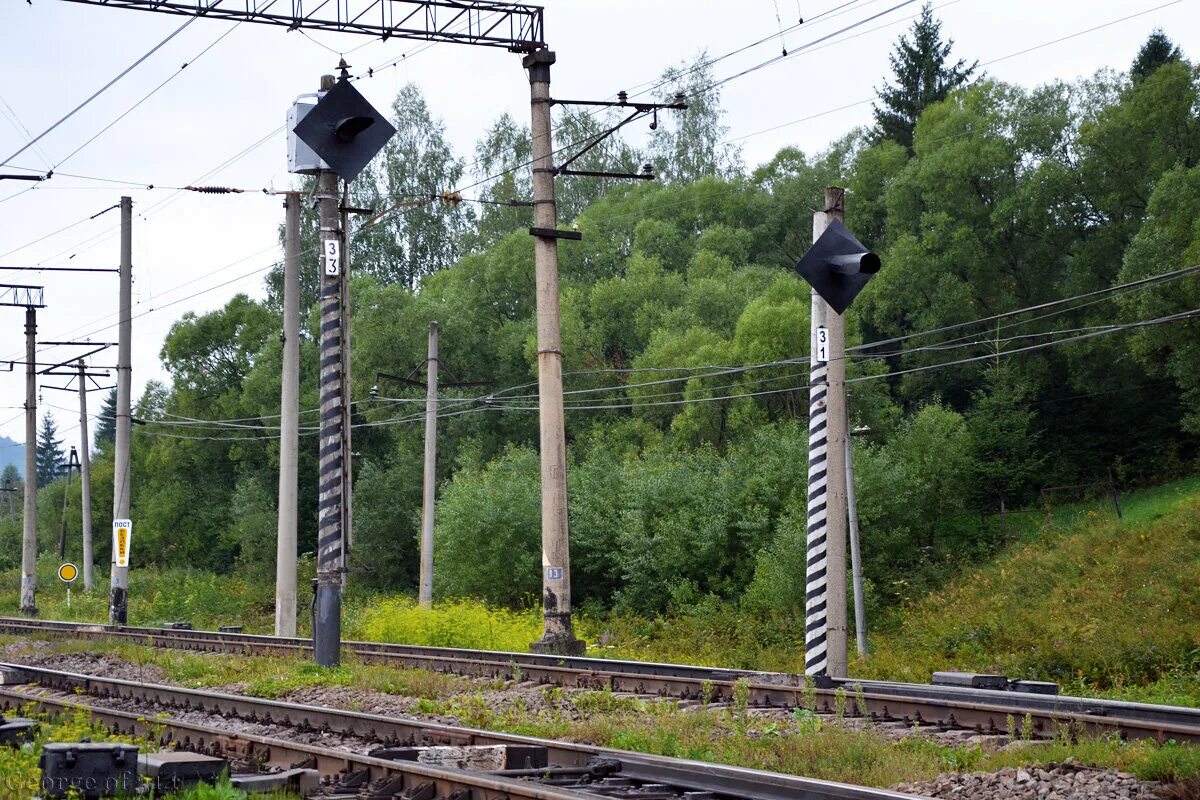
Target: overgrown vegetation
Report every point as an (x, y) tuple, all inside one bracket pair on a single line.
[(1042, 608), (684, 334), (1104, 605)]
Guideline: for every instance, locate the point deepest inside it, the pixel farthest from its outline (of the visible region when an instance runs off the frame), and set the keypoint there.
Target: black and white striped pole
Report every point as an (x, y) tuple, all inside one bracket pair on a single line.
[(334, 138), (327, 617), (837, 267)]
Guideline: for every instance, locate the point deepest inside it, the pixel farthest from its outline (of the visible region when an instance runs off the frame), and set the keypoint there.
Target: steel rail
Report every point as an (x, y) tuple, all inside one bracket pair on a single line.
[(282, 754), (693, 776), (949, 707)]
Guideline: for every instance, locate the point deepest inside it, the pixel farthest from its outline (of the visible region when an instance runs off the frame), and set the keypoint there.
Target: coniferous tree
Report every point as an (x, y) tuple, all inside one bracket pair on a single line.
[(49, 451), (1157, 51), (106, 423), (922, 77)]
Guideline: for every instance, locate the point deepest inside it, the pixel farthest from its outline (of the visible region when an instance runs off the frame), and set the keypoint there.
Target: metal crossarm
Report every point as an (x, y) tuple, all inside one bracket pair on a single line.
[(21, 295), (513, 26)]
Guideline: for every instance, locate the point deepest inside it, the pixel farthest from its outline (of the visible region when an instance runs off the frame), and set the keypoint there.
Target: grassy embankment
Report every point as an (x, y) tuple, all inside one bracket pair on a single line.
[(1098, 604)]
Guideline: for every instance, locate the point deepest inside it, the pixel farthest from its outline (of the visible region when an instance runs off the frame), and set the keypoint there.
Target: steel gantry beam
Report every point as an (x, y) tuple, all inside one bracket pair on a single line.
[(512, 26)]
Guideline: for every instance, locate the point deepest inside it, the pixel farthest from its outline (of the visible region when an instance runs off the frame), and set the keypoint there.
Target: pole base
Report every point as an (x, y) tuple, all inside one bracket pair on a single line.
[(327, 622), (29, 611), (559, 646)]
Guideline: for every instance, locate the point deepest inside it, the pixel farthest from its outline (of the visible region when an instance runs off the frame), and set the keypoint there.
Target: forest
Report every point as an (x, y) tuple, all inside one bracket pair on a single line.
[(685, 332)]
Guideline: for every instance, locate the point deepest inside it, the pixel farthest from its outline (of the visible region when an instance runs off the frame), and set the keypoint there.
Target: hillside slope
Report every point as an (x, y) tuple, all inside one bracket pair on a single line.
[(1103, 605)]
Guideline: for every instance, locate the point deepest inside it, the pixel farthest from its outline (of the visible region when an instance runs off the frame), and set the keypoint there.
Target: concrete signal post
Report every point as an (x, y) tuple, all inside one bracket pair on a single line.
[(837, 267), (334, 138)]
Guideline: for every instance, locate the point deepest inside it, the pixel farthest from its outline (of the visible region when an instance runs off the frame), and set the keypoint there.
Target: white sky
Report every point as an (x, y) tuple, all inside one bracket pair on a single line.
[(53, 54)]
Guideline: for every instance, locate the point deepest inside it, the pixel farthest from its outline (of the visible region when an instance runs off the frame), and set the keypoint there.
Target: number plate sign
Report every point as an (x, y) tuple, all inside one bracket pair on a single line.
[(332, 256), (821, 352)]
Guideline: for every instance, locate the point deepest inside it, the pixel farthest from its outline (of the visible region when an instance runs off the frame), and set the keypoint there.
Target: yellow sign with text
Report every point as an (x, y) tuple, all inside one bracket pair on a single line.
[(122, 533)]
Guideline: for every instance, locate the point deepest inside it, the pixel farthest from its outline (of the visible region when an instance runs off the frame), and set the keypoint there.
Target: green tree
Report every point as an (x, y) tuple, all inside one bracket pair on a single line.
[(418, 237), (688, 145), (1005, 438), (10, 478), (488, 532), (1156, 51), (49, 452), (922, 77), (1169, 240), (106, 421), (502, 157)]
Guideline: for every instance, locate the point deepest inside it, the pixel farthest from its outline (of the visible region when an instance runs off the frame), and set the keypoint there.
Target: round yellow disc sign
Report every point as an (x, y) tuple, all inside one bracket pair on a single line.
[(68, 573)]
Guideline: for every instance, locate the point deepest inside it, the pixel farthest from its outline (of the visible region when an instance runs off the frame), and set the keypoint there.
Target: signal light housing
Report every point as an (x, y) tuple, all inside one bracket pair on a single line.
[(838, 266)]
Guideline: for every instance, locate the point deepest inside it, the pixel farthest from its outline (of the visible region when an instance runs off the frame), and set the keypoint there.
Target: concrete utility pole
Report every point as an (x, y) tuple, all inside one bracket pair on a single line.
[(558, 637), (860, 608), (825, 605), (431, 408), (118, 607), (29, 527), (289, 426), (72, 463), (327, 622), (85, 481)]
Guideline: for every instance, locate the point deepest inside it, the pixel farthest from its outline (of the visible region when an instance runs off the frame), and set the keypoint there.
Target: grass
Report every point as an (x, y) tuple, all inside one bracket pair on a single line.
[(1109, 606), (1100, 605), (267, 676), (20, 774), (797, 743), (156, 596)]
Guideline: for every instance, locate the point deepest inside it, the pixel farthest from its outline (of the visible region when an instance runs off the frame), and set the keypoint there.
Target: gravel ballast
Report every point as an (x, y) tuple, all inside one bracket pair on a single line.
[(1065, 781)]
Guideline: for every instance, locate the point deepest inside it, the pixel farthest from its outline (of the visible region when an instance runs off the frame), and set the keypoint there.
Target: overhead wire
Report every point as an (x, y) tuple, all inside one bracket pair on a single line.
[(865, 101), (843, 30), (100, 91), (148, 95)]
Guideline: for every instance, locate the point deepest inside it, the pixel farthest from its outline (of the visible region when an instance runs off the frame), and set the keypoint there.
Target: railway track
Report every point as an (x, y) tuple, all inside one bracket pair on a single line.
[(530, 769), (983, 710)]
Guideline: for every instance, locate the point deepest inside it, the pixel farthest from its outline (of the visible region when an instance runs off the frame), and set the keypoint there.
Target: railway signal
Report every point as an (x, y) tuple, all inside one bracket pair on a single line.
[(837, 267), (343, 129), (344, 132)]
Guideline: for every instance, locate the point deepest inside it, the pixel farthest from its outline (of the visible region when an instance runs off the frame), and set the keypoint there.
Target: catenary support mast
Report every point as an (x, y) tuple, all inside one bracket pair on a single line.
[(289, 425), (29, 527), (430, 484), (558, 635), (85, 481), (118, 608)]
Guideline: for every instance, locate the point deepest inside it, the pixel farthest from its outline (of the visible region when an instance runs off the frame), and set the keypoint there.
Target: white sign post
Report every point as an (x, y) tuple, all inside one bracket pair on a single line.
[(333, 257), (67, 573), (822, 349), (122, 533)]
